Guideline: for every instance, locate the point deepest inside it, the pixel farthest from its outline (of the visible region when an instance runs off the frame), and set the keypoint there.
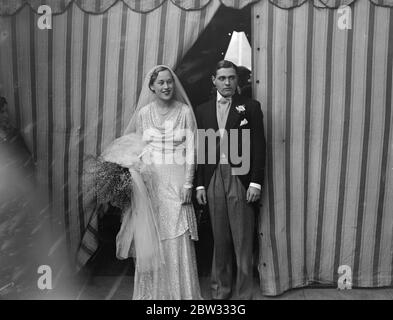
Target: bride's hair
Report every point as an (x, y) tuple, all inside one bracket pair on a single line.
[(155, 73)]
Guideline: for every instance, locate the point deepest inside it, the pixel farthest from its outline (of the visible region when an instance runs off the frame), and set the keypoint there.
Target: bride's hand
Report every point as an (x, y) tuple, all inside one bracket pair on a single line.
[(186, 195)]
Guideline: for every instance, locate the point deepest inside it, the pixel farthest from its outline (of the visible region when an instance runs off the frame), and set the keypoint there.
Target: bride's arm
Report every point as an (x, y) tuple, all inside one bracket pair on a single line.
[(139, 127), (190, 148)]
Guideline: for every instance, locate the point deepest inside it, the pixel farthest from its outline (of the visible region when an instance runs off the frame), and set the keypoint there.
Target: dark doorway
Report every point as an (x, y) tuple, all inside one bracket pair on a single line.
[(195, 70)]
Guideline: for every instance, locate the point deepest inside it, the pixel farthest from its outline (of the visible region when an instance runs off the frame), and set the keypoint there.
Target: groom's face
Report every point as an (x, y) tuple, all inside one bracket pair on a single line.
[(226, 81)]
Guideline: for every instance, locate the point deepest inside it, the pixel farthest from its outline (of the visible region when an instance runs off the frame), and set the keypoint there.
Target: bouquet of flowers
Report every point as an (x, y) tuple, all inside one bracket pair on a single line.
[(108, 177), (111, 183)]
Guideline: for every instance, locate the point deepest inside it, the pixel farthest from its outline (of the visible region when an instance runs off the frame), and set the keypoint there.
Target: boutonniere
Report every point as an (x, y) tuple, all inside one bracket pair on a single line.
[(243, 122), (241, 109)]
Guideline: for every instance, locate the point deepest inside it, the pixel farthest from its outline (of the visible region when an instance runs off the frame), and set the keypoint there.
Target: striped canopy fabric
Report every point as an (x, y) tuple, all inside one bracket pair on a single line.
[(325, 94), (327, 99), (10, 7), (72, 89)]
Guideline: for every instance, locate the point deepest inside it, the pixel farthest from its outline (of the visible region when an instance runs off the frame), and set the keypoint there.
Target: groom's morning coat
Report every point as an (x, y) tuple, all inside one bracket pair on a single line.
[(206, 116)]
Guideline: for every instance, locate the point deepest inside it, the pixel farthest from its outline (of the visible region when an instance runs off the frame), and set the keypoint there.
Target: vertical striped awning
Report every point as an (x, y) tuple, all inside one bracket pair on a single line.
[(327, 99), (72, 89), (11, 7)]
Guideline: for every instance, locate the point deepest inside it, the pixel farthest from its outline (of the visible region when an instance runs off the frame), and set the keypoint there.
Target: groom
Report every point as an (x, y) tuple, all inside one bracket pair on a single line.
[(230, 191)]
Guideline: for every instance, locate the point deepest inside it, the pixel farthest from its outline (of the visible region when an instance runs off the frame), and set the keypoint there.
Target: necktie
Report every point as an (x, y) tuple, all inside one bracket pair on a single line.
[(222, 107)]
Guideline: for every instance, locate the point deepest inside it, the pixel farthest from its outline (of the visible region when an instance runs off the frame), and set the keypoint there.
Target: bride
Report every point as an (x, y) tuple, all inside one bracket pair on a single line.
[(158, 147)]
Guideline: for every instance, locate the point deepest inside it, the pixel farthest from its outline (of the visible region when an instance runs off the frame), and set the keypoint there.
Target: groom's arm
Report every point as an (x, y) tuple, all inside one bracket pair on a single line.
[(258, 145)]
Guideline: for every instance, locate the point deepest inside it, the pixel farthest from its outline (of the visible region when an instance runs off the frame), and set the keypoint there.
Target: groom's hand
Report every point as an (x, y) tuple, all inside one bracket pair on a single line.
[(201, 196), (253, 194)]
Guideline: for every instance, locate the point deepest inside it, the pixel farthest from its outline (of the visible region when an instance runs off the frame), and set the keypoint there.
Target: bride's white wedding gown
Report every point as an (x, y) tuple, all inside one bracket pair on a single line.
[(167, 145)]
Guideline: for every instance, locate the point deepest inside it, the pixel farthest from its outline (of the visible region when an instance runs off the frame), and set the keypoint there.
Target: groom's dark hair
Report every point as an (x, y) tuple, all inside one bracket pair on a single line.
[(225, 64)]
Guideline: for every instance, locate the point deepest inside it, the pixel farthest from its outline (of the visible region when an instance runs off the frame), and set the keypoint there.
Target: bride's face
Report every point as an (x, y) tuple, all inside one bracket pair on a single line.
[(163, 86)]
